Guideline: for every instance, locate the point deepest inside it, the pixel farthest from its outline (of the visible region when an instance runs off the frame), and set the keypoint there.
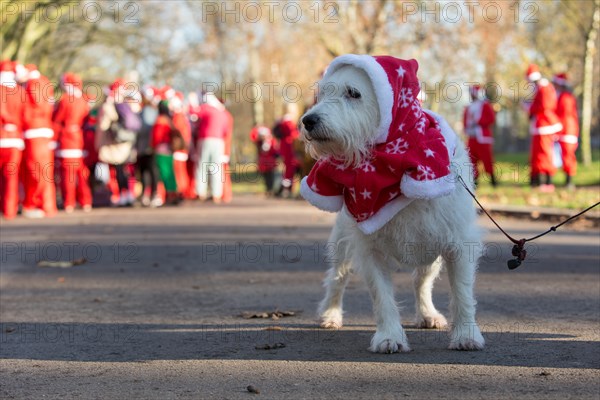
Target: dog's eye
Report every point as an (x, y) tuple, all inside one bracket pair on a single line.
[(352, 93)]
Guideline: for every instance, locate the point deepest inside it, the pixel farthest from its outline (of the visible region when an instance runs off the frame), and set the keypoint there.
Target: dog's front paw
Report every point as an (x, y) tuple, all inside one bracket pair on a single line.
[(466, 336), (387, 343), (436, 321), (331, 319)]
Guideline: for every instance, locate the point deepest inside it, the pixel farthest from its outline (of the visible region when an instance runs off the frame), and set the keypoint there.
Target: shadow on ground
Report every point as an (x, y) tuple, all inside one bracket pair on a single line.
[(303, 342)]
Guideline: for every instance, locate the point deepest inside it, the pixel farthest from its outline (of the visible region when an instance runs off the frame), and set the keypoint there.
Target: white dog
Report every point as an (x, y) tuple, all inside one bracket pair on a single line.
[(385, 164)]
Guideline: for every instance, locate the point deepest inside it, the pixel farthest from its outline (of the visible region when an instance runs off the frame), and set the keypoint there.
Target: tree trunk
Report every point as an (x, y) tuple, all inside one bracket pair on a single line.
[(256, 99), (588, 78)]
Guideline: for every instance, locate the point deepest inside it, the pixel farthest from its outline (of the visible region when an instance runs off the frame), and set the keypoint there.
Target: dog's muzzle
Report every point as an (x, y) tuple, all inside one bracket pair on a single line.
[(313, 127)]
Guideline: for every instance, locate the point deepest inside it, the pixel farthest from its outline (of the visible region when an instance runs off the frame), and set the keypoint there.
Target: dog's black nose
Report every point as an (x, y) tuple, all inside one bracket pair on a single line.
[(310, 121)]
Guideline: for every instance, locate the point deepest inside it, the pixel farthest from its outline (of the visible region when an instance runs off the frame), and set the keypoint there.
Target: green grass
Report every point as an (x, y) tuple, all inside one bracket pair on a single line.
[(512, 172)]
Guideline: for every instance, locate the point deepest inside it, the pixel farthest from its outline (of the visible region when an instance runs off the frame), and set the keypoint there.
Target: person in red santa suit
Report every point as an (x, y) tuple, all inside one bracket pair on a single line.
[(193, 110), (286, 130), (12, 98), (38, 158), (267, 149), (181, 154), (478, 118), (215, 128), (566, 109), (544, 126), (69, 116)]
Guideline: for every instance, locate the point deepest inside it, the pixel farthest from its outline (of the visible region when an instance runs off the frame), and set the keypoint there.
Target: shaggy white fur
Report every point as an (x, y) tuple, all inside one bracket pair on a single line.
[(425, 235)]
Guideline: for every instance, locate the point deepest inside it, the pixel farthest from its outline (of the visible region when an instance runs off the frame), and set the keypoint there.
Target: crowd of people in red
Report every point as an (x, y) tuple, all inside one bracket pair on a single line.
[(553, 129), (178, 150)]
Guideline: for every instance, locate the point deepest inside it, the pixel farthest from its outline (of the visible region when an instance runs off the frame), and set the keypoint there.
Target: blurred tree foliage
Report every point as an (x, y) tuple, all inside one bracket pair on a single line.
[(259, 54)]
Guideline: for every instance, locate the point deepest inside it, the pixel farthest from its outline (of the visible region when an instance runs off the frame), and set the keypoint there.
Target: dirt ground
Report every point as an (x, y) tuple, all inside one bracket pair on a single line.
[(155, 312)]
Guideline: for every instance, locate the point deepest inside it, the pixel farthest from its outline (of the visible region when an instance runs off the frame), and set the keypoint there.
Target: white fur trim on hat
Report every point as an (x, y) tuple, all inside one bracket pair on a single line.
[(534, 76), (325, 203), (381, 85), (7, 78), (384, 215)]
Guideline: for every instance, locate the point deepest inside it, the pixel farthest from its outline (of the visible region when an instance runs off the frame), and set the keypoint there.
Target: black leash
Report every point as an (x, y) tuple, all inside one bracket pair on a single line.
[(518, 249)]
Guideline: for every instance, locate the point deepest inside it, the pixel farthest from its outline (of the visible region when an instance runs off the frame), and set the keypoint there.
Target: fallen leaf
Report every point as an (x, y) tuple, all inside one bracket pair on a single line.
[(253, 389), (269, 314), (61, 279), (270, 346)]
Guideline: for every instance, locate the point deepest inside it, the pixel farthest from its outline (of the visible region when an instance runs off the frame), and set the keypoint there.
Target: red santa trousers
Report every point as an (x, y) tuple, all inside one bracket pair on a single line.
[(181, 172), (481, 152), (10, 160), (542, 155), (38, 164), (568, 157), (290, 163), (75, 182), (191, 172)]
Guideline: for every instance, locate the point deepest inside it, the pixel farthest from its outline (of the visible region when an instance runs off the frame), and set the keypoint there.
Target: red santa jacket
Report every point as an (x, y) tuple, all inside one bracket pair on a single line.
[(410, 158), (542, 111), (266, 146), (566, 109), (12, 98), (478, 118), (161, 135), (68, 119), (214, 123), (182, 124), (37, 122), (289, 134)]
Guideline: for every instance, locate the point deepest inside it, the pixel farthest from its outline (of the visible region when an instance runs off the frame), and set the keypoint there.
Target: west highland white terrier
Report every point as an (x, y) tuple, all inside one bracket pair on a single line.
[(390, 169)]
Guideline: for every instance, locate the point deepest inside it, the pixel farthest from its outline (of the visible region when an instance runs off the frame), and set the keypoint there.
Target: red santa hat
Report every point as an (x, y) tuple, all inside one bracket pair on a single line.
[(561, 79), (116, 85), (72, 79), (7, 73), (167, 92), (176, 102), (32, 71), (7, 66), (475, 91), (396, 87), (21, 72), (533, 73)]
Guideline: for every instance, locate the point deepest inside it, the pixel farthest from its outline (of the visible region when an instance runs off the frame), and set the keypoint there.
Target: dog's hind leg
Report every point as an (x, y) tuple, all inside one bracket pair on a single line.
[(330, 309), (390, 336), (426, 314), (465, 334)]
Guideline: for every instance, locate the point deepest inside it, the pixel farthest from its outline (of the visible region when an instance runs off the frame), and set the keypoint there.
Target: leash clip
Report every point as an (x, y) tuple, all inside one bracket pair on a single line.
[(518, 251)]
